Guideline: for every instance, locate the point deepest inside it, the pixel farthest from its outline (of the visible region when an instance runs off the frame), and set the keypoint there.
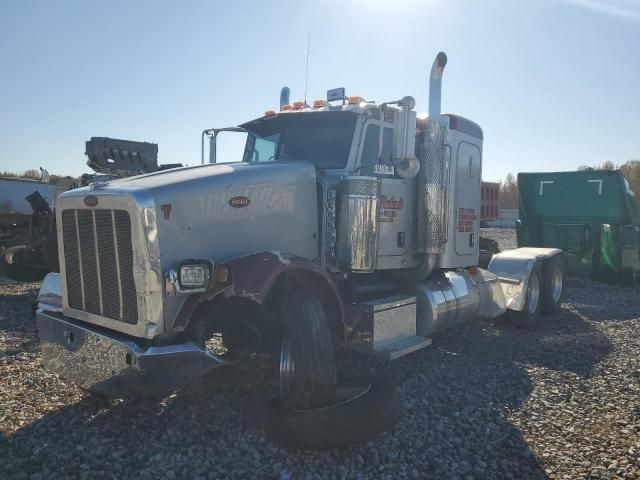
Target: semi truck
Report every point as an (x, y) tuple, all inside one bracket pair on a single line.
[(347, 224)]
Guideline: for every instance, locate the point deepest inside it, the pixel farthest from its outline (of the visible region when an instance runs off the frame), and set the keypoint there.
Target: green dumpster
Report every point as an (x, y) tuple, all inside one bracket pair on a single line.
[(592, 215)]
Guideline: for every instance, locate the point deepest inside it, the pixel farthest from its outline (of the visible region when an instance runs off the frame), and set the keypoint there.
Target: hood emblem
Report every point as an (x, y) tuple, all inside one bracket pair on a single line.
[(91, 201), (239, 202)]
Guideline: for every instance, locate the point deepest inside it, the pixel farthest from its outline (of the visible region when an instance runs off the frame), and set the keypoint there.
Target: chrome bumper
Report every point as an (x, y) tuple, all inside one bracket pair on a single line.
[(115, 366)]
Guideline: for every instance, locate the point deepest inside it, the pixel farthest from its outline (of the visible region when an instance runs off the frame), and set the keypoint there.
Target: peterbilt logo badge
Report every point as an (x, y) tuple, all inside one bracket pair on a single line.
[(90, 201), (239, 202)]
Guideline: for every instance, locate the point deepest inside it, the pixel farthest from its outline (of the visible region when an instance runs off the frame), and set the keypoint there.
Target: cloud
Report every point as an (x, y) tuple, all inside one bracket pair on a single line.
[(627, 9)]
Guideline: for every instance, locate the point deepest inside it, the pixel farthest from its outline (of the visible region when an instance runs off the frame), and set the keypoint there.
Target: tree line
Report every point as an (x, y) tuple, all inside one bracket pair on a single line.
[(508, 198), (33, 174)]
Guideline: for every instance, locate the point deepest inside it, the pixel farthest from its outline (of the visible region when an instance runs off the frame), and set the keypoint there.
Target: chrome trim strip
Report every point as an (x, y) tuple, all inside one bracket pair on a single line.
[(117, 254), (511, 281), (95, 246), (75, 216)]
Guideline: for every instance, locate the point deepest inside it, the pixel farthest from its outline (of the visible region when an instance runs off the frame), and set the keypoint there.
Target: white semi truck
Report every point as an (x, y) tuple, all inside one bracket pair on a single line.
[(347, 224)]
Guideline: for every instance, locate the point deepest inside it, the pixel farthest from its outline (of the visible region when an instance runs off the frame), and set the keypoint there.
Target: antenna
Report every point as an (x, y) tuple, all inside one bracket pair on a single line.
[(306, 77)]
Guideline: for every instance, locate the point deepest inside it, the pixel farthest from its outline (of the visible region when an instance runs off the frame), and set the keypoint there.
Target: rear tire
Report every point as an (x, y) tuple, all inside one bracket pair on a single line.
[(554, 285), (307, 366), (530, 314), (364, 407)]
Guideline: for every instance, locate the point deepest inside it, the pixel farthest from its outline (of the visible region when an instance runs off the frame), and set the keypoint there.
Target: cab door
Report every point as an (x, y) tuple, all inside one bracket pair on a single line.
[(468, 199)]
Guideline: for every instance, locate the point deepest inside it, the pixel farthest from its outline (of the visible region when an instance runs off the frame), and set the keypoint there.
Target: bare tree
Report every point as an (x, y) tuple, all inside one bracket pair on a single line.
[(608, 166), (508, 198), (631, 171), (32, 174)]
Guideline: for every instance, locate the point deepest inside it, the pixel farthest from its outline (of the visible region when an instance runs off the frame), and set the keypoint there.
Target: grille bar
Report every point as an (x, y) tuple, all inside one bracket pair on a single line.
[(99, 263), (115, 242), (79, 262), (95, 246)]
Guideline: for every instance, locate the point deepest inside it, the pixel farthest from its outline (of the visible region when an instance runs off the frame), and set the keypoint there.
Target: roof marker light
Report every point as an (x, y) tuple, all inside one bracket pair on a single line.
[(354, 100), (269, 113), (319, 103), (284, 108), (298, 105)]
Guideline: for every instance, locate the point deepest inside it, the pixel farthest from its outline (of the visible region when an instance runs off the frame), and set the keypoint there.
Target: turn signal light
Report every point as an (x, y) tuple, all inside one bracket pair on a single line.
[(222, 274), (319, 103)]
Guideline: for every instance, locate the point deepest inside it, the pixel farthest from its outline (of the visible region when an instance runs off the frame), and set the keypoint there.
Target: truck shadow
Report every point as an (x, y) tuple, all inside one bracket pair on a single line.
[(457, 395)]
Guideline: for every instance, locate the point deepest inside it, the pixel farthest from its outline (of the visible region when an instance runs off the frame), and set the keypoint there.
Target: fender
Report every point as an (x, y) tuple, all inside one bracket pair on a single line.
[(252, 277), (513, 268)]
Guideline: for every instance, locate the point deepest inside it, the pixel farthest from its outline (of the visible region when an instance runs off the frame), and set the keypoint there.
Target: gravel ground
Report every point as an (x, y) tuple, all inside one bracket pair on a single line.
[(505, 237), (485, 401)]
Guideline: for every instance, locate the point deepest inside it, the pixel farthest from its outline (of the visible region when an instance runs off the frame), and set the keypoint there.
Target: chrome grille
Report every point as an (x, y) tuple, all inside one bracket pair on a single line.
[(98, 260)]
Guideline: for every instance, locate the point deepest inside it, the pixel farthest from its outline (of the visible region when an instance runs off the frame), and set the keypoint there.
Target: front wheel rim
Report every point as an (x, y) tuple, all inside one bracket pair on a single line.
[(533, 293), (287, 368)]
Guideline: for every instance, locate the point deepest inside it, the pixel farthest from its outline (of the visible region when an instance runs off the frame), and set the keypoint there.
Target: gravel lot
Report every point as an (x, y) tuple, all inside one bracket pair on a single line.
[(485, 401)]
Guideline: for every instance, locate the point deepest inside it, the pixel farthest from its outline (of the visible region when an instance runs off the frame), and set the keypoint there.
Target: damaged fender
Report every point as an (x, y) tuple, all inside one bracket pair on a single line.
[(252, 277)]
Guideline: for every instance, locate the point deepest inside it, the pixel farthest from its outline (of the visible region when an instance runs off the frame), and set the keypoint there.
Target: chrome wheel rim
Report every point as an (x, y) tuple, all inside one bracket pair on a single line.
[(556, 284), (287, 367), (533, 293)]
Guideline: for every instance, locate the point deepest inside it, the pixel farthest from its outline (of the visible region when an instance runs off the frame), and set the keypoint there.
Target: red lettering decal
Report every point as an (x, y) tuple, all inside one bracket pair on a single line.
[(391, 203)]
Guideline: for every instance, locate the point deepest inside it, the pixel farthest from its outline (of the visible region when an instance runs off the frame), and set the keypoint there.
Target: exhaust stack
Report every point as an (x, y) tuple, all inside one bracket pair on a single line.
[(284, 97), (435, 84)]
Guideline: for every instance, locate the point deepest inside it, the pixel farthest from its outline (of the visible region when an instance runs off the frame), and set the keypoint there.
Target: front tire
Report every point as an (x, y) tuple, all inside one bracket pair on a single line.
[(307, 366)]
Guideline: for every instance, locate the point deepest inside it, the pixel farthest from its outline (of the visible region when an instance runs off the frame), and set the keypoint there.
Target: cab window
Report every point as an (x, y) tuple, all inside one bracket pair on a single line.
[(370, 148)]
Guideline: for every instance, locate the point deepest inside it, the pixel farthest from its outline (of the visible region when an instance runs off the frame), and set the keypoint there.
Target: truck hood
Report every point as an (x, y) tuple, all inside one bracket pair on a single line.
[(220, 211)]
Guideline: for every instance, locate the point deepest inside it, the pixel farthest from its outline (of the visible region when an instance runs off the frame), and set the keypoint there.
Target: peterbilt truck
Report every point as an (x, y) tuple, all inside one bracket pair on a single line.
[(347, 224)]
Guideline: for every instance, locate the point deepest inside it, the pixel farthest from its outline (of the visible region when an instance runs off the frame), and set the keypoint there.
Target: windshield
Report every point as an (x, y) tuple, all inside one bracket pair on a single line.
[(322, 138)]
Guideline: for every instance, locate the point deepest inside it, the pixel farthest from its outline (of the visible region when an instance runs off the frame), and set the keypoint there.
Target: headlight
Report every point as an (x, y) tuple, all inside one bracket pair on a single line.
[(194, 275)]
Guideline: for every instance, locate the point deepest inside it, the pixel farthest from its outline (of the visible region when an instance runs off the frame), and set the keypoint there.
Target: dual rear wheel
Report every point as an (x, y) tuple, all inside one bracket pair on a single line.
[(546, 291)]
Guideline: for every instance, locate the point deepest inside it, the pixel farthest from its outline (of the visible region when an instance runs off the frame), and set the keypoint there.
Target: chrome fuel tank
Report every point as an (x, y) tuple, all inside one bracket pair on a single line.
[(444, 300)]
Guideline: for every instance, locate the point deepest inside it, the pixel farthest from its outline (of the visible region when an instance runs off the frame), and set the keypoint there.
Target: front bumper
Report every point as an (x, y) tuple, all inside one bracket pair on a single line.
[(116, 366)]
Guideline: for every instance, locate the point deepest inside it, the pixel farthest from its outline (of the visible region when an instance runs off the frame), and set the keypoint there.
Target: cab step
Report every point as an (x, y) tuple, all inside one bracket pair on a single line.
[(385, 327)]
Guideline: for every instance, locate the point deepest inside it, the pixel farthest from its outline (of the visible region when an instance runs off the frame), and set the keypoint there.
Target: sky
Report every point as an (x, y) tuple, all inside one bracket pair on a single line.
[(554, 84)]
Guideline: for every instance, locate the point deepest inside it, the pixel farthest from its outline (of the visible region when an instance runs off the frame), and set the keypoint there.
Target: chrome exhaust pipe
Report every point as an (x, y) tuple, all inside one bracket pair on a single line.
[(435, 84), (284, 97)]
